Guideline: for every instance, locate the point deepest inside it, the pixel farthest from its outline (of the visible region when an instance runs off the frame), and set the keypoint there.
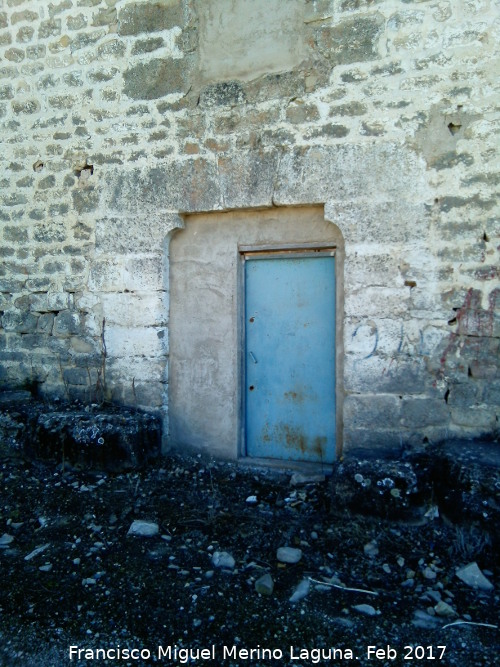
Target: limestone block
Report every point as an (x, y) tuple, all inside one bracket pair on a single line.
[(126, 369), (374, 266), (144, 17), (228, 93), (45, 323), (185, 185), (275, 86), (147, 45), (68, 323), (322, 173), (82, 345), (136, 341), (373, 442), (479, 416), (375, 301), (372, 411), (492, 393), (105, 16), (247, 179), (396, 374), (49, 301), (49, 28), (50, 232), (76, 22), (14, 55), (145, 273), (114, 48), (127, 235), (352, 40), (132, 310), (328, 130), (420, 412), (157, 78), (85, 200), (106, 275), (382, 336), (77, 376), (149, 394), (15, 234), (238, 41), (19, 322)]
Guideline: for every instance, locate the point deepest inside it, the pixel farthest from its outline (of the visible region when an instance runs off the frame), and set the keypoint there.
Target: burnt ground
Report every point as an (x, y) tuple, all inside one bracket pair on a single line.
[(92, 586)]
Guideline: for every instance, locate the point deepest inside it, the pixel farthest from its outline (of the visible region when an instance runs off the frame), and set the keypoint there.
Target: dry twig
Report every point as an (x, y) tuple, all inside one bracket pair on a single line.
[(483, 625), (342, 588)]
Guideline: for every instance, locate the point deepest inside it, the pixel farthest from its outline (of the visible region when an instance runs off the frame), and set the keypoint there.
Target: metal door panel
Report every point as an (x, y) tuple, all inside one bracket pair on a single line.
[(290, 357)]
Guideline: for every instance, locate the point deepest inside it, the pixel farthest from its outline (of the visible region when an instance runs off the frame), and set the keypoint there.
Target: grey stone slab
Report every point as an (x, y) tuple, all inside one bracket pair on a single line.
[(316, 174), (157, 78), (188, 185), (247, 179)]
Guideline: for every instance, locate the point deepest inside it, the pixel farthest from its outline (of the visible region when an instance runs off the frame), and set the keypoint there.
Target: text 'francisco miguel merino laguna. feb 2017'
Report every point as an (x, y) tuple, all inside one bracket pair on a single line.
[(184, 655)]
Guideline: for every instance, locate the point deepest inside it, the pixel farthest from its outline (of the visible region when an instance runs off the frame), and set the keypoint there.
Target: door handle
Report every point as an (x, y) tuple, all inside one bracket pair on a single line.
[(252, 356)]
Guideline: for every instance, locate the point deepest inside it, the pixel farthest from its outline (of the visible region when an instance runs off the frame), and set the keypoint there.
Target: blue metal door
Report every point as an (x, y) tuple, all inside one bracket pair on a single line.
[(290, 356)]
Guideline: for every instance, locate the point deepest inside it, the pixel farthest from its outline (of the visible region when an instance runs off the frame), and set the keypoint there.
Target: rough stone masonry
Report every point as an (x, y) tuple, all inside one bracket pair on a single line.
[(121, 121)]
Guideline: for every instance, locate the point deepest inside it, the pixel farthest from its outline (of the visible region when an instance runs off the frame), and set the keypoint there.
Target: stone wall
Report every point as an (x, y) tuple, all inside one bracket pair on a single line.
[(119, 117)]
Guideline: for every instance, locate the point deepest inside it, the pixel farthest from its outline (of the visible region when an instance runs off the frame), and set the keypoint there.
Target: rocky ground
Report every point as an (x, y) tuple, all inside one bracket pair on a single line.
[(74, 575)]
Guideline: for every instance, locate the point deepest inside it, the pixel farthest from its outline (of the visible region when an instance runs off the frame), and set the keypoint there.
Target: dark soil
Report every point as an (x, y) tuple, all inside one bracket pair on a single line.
[(95, 587)]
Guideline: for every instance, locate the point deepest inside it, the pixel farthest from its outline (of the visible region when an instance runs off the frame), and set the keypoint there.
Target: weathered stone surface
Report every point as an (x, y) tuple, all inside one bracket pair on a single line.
[(6, 92), (247, 178), (367, 411), (238, 41), (188, 185), (14, 55), (460, 478), (105, 16), (14, 397), (329, 130), (420, 412), (147, 45), (385, 488), (113, 48), (49, 28), (143, 17), (224, 560), (229, 93), (123, 235), (471, 492), (320, 174), (353, 40), (265, 584), (67, 323), (142, 528), (109, 439), (157, 78), (19, 322), (472, 576), (85, 200), (288, 555)]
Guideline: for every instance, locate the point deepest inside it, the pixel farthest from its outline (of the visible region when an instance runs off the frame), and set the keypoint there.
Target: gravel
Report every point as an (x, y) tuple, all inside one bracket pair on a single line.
[(73, 576)]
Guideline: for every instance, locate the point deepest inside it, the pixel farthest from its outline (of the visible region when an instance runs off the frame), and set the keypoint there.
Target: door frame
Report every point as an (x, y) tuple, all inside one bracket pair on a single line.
[(293, 250)]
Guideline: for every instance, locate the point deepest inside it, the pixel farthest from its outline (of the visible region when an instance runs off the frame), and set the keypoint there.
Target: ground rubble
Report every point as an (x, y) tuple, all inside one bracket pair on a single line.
[(92, 436), (458, 480), (194, 554), (75, 573)]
